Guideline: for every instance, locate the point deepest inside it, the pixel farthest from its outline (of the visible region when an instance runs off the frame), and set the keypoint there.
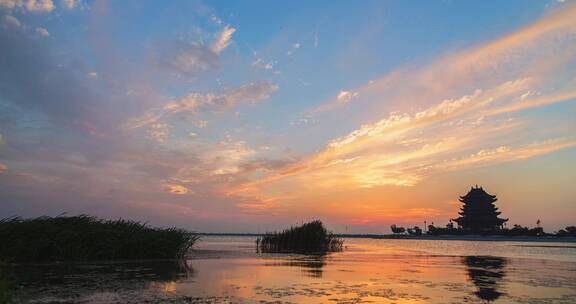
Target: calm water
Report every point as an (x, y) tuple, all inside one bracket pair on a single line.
[(226, 270)]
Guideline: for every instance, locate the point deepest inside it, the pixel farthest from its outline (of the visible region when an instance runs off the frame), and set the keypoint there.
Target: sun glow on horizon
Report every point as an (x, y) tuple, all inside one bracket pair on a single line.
[(350, 113)]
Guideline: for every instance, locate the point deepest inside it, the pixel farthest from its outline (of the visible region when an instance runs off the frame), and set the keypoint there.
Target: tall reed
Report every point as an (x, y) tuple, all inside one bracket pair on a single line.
[(5, 283), (311, 237), (84, 237)]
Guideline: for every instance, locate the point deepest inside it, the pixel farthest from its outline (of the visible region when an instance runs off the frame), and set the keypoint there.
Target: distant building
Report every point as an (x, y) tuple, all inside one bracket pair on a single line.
[(479, 214)]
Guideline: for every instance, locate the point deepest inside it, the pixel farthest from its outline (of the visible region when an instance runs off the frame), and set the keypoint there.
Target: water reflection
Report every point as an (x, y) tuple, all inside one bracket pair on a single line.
[(311, 265), (73, 280), (370, 271), (487, 273)]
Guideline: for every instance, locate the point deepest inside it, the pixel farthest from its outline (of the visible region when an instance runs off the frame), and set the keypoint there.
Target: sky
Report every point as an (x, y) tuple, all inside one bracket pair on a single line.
[(250, 116)]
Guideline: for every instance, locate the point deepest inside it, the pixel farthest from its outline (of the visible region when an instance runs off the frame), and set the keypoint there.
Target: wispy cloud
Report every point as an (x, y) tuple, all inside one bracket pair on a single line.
[(69, 4), (505, 153), (505, 76), (190, 104), (259, 205), (174, 188), (42, 6), (316, 40), (519, 54), (8, 20), (187, 59), (223, 39), (150, 127), (35, 6), (295, 46), (190, 59), (345, 96), (263, 64), (42, 32)]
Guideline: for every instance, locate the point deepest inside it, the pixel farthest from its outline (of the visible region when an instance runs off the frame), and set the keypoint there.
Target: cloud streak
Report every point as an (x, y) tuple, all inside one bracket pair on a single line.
[(34, 6), (522, 70), (519, 54), (96, 117), (223, 39), (190, 104)]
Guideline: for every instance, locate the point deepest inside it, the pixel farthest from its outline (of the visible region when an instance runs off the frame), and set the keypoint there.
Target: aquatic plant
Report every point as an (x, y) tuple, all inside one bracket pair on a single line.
[(311, 237), (85, 237)]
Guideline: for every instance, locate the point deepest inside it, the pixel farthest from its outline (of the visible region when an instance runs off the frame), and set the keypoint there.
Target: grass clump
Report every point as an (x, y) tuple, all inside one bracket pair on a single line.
[(83, 237), (311, 237)]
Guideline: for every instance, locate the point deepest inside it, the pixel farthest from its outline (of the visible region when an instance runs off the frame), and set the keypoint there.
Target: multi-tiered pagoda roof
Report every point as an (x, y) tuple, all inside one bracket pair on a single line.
[(479, 214)]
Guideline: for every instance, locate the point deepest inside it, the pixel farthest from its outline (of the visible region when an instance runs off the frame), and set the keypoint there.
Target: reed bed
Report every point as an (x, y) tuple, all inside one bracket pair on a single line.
[(83, 237), (311, 237), (5, 283)]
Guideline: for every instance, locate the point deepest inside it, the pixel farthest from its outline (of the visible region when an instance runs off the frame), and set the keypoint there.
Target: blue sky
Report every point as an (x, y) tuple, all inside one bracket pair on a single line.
[(264, 113)]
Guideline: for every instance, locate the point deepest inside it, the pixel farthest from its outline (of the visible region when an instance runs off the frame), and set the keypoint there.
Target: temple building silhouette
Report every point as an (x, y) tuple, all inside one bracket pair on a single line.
[(487, 273), (479, 214)]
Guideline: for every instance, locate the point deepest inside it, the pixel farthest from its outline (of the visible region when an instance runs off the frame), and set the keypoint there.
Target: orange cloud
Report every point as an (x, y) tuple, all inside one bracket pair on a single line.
[(505, 76), (174, 188)]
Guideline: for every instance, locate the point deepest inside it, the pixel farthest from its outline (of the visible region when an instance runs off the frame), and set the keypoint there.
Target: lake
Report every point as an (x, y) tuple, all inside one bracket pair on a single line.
[(228, 270)]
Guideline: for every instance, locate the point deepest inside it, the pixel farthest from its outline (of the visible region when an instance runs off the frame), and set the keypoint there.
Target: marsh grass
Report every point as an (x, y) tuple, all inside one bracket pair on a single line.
[(311, 237), (5, 284), (83, 237)]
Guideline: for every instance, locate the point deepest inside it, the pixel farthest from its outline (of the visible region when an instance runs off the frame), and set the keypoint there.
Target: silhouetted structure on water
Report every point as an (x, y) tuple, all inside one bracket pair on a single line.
[(479, 214), (487, 273)]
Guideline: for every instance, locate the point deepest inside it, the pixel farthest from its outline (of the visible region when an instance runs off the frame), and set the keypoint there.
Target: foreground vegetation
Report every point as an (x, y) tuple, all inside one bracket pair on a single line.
[(311, 237), (83, 237), (5, 284)]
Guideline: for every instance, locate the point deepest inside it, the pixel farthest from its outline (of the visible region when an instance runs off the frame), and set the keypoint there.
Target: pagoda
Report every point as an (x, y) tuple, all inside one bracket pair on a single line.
[(479, 214)]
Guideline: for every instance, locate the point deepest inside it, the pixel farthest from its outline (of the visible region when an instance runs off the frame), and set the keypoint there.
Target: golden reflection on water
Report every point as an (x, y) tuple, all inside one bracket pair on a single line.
[(373, 279), (367, 272), (169, 287)]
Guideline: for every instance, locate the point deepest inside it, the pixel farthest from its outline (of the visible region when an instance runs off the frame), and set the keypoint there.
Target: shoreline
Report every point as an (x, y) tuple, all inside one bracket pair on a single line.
[(482, 238)]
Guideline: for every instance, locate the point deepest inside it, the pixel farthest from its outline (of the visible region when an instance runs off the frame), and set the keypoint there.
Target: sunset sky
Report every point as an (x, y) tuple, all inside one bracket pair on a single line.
[(247, 116)]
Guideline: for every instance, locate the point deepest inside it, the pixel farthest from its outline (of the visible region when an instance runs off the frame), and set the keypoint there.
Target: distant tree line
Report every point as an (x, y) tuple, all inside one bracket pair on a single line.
[(568, 231), (516, 230), (411, 231)]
